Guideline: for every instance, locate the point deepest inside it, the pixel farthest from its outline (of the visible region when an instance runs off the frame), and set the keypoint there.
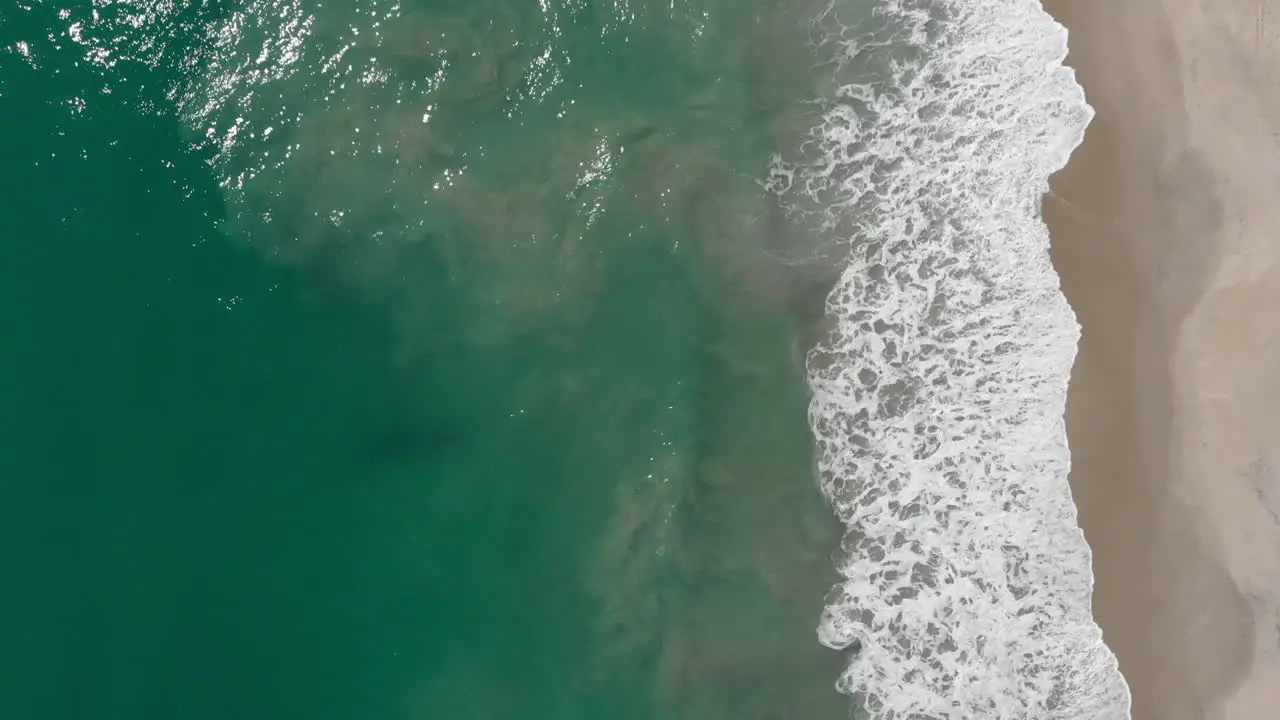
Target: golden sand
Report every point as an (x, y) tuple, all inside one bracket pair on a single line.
[(1166, 232)]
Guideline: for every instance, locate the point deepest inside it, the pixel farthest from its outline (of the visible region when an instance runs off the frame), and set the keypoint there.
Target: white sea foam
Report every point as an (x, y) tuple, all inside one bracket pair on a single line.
[(938, 395)]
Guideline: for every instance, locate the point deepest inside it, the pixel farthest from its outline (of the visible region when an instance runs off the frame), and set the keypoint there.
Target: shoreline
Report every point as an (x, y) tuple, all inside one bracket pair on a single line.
[(1163, 228)]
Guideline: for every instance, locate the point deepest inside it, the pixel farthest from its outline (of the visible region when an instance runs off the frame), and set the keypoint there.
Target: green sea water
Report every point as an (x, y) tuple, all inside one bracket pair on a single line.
[(471, 392)]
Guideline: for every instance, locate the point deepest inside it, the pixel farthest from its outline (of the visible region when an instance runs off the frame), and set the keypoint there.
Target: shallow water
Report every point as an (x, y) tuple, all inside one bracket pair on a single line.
[(449, 359), (441, 359)]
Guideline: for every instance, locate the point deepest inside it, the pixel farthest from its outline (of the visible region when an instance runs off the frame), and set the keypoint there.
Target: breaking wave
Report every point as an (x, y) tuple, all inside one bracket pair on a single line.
[(938, 393)]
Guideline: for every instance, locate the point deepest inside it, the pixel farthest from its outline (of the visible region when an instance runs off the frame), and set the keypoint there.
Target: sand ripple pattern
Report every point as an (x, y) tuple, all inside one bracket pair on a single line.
[(940, 389)]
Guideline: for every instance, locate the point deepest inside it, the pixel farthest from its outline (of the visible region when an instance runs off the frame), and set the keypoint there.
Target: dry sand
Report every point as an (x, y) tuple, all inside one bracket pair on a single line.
[(1166, 231)]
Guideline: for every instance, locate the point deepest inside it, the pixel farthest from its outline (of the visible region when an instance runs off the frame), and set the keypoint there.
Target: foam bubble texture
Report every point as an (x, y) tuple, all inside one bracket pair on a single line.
[(938, 395)]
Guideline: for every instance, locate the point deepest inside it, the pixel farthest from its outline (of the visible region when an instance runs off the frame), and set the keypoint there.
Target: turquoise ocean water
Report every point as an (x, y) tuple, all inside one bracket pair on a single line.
[(437, 359)]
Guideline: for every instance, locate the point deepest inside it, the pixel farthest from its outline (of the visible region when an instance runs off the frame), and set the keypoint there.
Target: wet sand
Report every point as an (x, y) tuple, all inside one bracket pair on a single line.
[(1166, 232)]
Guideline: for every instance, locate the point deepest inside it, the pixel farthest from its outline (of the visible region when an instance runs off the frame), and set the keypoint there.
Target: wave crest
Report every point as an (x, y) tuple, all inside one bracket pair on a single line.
[(939, 392)]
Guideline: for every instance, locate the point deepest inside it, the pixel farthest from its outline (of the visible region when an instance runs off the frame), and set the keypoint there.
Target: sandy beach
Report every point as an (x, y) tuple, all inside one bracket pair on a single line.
[(1166, 232)]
